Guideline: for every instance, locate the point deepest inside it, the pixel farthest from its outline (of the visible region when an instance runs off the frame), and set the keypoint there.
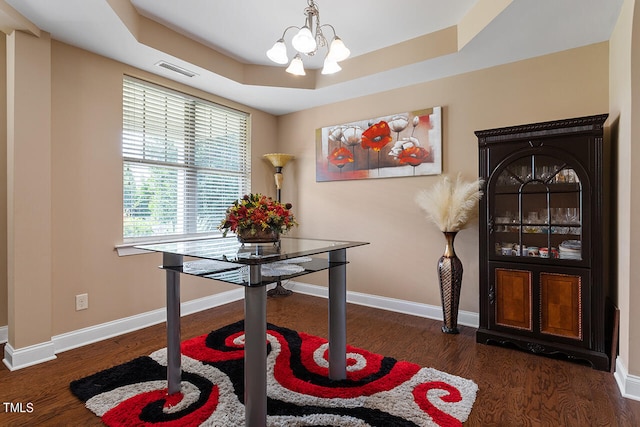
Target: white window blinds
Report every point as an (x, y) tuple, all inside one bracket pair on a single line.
[(185, 160)]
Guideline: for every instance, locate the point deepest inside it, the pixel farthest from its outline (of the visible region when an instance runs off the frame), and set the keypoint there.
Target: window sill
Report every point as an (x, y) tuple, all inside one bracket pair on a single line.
[(127, 248)]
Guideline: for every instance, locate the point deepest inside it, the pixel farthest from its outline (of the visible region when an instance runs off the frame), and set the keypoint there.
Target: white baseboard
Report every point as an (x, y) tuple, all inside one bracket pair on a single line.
[(28, 356), (629, 385), (466, 318)]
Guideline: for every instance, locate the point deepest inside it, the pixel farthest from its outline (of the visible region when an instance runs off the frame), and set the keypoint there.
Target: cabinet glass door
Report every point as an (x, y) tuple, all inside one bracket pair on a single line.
[(536, 209)]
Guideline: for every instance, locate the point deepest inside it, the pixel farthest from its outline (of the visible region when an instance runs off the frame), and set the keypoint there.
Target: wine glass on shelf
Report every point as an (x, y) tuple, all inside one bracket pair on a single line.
[(573, 218)]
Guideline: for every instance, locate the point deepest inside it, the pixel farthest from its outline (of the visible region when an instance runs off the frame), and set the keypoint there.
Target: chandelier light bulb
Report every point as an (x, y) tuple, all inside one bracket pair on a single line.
[(330, 66), (296, 68), (278, 53), (304, 41), (338, 51)]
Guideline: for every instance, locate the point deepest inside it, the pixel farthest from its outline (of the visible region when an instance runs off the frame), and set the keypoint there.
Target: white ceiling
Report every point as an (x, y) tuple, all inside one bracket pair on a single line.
[(245, 29)]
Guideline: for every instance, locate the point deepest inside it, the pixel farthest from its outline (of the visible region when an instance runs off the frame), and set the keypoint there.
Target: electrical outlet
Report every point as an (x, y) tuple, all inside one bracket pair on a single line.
[(82, 302)]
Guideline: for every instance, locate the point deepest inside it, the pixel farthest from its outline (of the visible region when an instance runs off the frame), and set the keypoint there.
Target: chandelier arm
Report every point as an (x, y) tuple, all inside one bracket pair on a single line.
[(330, 26), (287, 29)]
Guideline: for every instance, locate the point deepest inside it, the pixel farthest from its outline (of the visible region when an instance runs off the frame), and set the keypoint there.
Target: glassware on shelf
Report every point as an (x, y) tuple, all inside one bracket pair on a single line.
[(543, 173), (543, 214), (566, 176), (524, 173), (570, 249), (573, 216), (532, 223), (506, 222), (565, 221)]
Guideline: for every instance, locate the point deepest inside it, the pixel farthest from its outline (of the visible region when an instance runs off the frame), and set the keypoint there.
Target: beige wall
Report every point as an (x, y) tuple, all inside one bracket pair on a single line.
[(86, 200), (624, 100), (401, 260)]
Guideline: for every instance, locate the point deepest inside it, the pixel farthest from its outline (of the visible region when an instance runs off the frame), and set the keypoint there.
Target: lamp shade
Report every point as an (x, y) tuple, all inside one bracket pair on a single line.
[(338, 51), (330, 67), (278, 53), (278, 160), (296, 67), (304, 41)]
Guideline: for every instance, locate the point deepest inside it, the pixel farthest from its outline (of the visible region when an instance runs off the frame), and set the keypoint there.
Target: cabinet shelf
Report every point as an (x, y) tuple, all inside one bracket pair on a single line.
[(554, 232), (544, 191), (555, 188)]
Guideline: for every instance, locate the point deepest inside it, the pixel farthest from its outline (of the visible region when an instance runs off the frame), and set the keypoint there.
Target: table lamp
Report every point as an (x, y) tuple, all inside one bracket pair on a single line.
[(278, 160)]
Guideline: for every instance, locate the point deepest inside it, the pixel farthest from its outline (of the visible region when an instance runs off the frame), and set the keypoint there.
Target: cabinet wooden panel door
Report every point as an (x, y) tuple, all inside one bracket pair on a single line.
[(513, 299), (561, 305)]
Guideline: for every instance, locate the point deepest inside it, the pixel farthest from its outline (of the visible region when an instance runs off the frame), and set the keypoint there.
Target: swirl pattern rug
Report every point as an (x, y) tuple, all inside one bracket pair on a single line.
[(378, 391)]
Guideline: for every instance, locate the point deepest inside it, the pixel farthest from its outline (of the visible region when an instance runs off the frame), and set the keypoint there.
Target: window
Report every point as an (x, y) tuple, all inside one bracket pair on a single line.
[(185, 160)]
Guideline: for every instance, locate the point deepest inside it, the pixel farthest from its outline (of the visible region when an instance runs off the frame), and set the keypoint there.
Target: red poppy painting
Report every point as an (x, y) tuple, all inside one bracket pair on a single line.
[(404, 144)]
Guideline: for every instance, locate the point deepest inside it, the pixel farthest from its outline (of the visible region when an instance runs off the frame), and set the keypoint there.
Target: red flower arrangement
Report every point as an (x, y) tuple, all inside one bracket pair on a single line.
[(256, 213)]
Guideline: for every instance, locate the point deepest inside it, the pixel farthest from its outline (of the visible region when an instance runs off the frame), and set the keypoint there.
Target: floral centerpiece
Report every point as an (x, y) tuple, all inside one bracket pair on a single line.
[(257, 218)]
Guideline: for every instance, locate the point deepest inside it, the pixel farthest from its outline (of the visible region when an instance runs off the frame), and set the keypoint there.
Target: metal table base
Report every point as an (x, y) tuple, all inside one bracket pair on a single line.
[(255, 311)]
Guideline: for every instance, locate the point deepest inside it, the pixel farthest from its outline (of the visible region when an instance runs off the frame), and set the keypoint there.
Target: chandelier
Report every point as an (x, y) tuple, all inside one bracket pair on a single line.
[(308, 41)]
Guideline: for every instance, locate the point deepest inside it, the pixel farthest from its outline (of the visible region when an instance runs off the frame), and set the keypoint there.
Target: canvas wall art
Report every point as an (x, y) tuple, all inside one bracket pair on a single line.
[(404, 144)]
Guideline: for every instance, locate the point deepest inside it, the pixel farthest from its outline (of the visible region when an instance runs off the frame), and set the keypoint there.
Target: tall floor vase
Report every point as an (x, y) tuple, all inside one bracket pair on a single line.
[(450, 276)]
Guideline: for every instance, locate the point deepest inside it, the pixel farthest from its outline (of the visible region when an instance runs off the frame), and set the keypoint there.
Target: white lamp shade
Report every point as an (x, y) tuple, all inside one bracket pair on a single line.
[(296, 68), (330, 66), (338, 51), (304, 41), (278, 53)]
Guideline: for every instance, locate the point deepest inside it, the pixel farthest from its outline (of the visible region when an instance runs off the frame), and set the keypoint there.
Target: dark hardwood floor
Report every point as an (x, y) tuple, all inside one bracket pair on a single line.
[(515, 388)]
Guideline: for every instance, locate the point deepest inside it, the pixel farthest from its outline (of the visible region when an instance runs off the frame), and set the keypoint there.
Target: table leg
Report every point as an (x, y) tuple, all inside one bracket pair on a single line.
[(338, 315), (255, 350), (174, 370)]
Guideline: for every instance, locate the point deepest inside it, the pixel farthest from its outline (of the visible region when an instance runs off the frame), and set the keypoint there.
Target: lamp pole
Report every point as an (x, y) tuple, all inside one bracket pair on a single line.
[(278, 160), (279, 179)]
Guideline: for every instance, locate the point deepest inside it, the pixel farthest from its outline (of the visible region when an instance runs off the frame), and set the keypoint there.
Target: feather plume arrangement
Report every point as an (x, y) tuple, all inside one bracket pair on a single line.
[(450, 204)]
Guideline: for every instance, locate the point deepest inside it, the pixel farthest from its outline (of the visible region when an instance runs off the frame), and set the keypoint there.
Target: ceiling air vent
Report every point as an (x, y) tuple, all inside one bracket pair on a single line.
[(176, 69)]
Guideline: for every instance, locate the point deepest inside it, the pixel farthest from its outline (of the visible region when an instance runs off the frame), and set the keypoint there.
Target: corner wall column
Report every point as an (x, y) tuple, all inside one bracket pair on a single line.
[(29, 232)]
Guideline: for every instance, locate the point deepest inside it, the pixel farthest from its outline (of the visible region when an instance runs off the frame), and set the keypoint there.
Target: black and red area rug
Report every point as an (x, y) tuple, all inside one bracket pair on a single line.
[(378, 391)]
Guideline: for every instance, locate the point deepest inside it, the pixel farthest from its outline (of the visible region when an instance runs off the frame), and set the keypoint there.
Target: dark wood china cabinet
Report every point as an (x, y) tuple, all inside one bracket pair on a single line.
[(543, 238)]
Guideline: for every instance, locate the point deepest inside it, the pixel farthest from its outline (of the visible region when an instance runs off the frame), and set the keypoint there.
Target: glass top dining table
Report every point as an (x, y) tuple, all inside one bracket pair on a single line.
[(227, 260), (254, 266)]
